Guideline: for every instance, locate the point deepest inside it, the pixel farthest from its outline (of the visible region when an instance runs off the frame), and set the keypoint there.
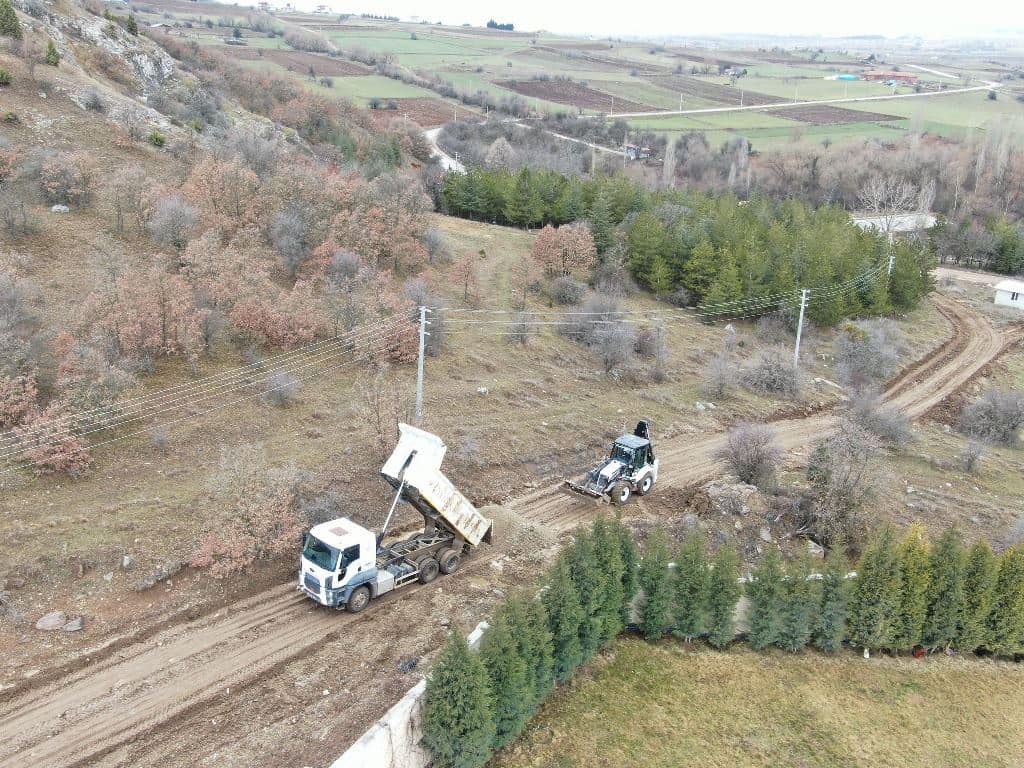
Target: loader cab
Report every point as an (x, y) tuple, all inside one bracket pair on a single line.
[(335, 553), (632, 451)]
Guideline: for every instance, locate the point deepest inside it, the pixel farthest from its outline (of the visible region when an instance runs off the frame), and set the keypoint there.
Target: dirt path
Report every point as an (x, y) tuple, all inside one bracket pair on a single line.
[(158, 684)]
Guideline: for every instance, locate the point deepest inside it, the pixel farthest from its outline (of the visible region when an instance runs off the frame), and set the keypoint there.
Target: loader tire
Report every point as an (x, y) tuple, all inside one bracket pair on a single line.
[(645, 485), (449, 561), (621, 493), (359, 599), (428, 570)]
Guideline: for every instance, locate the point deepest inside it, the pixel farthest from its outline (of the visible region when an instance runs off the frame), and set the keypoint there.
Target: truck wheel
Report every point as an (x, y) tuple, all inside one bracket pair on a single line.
[(359, 599), (449, 561), (645, 485), (621, 493), (428, 570)]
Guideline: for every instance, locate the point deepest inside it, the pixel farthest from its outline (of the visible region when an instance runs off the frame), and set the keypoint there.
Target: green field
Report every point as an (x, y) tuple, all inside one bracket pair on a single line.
[(670, 705)]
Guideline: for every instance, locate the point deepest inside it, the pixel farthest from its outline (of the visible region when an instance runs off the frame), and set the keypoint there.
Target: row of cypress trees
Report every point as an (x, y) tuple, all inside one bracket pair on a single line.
[(907, 592), (478, 702)]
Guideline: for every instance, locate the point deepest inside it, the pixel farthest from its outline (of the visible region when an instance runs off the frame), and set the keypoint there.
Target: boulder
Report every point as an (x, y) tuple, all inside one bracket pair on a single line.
[(51, 621), (728, 498), (814, 549), (76, 624), (60, 209), (127, 561)]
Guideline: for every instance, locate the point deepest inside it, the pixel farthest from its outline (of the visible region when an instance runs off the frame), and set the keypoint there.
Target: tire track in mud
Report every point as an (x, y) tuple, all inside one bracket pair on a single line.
[(160, 681)]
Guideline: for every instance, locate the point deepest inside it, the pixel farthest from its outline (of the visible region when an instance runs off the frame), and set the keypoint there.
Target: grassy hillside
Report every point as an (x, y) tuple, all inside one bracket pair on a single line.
[(673, 705)]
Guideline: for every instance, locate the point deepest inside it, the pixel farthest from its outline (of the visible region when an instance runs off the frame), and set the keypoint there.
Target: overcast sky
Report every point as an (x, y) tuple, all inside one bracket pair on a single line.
[(654, 18)]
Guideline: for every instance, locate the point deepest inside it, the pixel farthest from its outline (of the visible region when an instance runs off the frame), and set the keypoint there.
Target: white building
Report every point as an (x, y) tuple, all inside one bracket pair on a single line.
[(1010, 293)]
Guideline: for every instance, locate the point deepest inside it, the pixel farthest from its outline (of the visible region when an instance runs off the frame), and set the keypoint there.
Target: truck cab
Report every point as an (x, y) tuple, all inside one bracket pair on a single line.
[(338, 556)]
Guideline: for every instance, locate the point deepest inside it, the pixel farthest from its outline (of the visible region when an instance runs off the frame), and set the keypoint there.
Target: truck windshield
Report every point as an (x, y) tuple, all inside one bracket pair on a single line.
[(320, 554)]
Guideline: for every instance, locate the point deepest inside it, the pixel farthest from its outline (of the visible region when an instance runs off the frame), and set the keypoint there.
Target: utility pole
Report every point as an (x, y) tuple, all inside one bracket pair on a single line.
[(892, 259), (680, 102), (419, 365), (800, 326)]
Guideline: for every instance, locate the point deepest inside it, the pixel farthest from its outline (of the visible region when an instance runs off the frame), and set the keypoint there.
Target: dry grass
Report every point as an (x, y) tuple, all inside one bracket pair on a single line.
[(673, 705)]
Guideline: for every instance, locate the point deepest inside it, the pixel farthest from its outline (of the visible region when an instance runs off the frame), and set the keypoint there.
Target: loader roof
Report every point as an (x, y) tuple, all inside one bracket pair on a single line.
[(632, 441)]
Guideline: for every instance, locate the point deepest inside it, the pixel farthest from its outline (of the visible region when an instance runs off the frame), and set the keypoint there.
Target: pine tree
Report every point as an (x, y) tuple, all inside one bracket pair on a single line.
[(700, 269), (915, 572), (659, 276), (644, 244), (980, 572), (608, 551), (523, 206), (570, 204), (458, 724), (875, 598), (830, 627), (800, 600), (52, 54), (508, 678), (691, 578), (630, 565), (723, 591), (10, 26), (601, 225), (764, 590), (588, 580), (726, 286), (1005, 623), (945, 591), (878, 299), (132, 25), (565, 617), (655, 581)]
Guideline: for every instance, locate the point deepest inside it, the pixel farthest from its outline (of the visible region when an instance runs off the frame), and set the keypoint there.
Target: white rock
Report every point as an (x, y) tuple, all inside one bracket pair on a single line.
[(74, 625), (482, 390), (127, 562), (51, 621), (59, 209), (814, 549), (765, 533), (108, 576)]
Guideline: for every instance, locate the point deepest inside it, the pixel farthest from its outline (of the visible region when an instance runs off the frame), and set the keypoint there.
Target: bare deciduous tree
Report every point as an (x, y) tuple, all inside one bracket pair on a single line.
[(382, 405), (867, 351), (751, 453), (995, 417), (886, 197), (172, 222)]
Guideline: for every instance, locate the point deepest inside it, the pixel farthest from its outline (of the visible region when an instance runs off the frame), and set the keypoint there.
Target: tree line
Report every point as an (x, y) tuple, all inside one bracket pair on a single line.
[(907, 593), (701, 248)]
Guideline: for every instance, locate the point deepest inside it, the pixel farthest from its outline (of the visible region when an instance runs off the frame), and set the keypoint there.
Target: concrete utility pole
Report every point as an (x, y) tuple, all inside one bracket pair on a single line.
[(419, 365), (800, 326), (892, 259)]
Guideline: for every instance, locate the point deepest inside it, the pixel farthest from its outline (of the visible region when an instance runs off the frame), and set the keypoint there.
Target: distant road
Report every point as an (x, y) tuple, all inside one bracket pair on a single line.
[(988, 86), (969, 275), (448, 162)]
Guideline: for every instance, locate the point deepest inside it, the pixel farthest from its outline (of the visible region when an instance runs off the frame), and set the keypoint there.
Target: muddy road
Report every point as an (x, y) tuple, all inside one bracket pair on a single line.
[(198, 690)]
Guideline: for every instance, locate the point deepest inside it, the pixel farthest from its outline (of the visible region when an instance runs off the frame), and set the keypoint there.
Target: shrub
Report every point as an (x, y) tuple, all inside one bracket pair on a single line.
[(680, 297), (774, 374), (995, 417), (597, 311), (649, 342), (49, 445), (68, 178), (973, 456), (885, 422), (751, 453), (344, 265), (52, 54), (10, 26), (437, 246), (172, 222), (156, 138), (613, 343), (281, 388), (159, 437), (92, 101), (521, 327), (867, 351), (5, 77), (566, 290)]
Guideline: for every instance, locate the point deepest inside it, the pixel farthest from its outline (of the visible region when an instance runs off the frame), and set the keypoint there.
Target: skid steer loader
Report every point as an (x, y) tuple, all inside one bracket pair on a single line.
[(631, 467)]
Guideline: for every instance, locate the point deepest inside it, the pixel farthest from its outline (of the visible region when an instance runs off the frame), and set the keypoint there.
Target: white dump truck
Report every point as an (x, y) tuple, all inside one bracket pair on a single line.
[(345, 565)]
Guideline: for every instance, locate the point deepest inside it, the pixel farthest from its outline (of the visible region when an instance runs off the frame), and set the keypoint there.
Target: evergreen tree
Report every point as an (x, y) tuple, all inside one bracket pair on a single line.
[(655, 581), (726, 286), (588, 580), (565, 619), (523, 208), (132, 25), (723, 591), (980, 571), (691, 579), (915, 572), (630, 565), (800, 600), (878, 298), (10, 26), (700, 269), (570, 204), (458, 724), (1005, 623), (645, 243), (875, 598), (608, 551), (52, 54), (526, 621), (601, 225), (509, 680), (764, 590), (659, 277), (945, 591), (830, 627)]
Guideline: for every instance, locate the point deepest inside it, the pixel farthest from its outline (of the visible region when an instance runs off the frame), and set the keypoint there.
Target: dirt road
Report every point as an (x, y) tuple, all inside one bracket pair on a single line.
[(111, 711)]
